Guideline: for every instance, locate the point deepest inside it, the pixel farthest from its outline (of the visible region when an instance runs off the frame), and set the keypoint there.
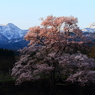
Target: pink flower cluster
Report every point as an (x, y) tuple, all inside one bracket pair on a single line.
[(51, 30)]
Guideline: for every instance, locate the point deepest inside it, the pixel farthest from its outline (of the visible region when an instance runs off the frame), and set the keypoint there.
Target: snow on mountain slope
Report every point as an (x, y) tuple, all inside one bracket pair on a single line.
[(90, 28), (12, 37), (92, 25), (3, 39), (10, 31)]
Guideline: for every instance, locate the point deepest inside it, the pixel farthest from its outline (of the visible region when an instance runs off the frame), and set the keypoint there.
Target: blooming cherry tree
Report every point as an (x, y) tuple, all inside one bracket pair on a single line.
[(49, 53)]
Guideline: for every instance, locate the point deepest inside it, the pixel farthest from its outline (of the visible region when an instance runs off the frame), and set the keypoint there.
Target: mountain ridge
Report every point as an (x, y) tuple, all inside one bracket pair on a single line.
[(11, 31), (11, 36), (89, 28)]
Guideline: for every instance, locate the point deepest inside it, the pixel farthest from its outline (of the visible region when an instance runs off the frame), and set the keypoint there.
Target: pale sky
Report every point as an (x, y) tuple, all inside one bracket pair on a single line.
[(26, 13)]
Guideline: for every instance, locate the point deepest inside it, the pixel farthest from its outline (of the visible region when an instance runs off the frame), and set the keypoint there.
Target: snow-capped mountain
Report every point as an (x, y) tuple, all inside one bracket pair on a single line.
[(89, 32), (10, 31), (92, 25), (90, 28), (12, 37)]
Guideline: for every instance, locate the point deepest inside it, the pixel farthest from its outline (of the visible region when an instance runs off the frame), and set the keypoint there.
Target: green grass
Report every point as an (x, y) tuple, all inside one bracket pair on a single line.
[(5, 78)]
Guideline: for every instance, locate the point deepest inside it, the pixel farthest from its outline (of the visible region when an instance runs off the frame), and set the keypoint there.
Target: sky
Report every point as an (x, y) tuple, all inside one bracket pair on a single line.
[(26, 13)]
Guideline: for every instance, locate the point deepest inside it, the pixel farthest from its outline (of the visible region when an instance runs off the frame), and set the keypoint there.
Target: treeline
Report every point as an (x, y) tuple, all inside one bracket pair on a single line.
[(6, 53), (7, 59)]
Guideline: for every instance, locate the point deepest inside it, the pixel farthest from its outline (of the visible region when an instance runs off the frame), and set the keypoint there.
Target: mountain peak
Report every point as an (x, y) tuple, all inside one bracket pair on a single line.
[(10, 24), (92, 25), (11, 31), (90, 28)]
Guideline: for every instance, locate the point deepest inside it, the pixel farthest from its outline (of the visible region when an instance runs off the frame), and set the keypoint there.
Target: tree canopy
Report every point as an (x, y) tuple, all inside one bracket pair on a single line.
[(50, 53)]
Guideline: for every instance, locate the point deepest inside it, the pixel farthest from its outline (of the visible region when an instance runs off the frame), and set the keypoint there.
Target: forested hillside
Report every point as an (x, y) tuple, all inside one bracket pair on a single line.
[(7, 60)]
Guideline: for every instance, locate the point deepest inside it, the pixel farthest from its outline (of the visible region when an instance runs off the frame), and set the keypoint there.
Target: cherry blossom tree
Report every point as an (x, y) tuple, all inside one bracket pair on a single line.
[(51, 31), (50, 53)]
